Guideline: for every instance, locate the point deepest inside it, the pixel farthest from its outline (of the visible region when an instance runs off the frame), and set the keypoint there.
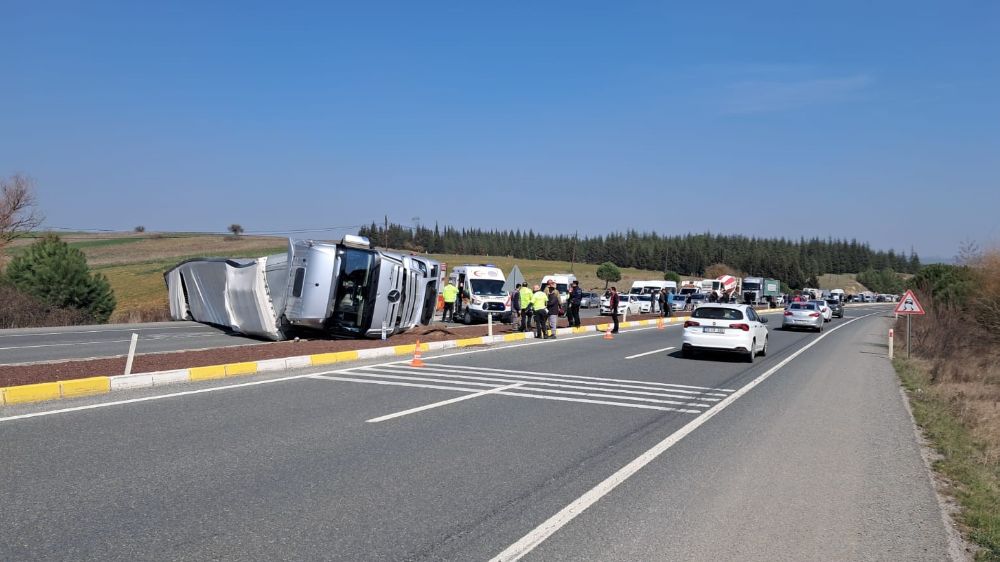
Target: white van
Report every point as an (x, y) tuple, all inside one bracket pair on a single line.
[(481, 289), (649, 287), (563, 281)]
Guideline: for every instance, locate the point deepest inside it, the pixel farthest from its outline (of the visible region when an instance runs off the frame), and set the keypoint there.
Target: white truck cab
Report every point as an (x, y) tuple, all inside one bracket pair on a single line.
[(481, 290)]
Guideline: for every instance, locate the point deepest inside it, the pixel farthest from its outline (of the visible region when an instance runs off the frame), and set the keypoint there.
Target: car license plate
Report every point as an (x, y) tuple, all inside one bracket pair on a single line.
[(713, 330)]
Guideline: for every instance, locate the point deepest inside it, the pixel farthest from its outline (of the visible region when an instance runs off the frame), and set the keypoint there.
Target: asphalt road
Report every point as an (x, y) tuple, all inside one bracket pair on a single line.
[(38, 345), (813, 458)]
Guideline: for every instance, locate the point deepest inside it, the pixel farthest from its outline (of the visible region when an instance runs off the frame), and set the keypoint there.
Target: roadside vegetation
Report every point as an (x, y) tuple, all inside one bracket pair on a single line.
[(953, 381)]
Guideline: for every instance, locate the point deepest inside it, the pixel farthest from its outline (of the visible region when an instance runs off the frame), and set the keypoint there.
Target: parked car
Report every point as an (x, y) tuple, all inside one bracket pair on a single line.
[(803, 315), (824, 309), (734, 328), (697, 300), (680, 302), (590, 300), (836, 307), (645, 303), (625, 302)]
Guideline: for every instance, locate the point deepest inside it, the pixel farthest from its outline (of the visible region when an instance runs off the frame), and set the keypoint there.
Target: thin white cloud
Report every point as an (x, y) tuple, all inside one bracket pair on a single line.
[(762, 96)]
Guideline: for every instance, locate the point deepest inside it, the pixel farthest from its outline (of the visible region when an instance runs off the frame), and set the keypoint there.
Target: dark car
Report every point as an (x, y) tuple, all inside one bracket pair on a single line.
[(836, 307)]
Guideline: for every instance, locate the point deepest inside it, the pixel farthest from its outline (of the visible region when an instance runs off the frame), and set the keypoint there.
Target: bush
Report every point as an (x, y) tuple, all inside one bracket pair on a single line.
[(20, 310), (672, 276), (881, 281), (57, 275)]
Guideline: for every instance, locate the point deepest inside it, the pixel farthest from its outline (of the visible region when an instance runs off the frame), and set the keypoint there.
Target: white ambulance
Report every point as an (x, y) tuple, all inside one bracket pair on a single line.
[(481, 291)]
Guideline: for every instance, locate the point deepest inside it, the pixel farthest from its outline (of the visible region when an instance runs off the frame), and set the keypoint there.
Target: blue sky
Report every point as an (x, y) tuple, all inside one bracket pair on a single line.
[(874, 120)]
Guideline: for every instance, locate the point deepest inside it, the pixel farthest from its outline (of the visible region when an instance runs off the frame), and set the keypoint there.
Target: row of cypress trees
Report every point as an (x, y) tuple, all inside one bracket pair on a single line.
[(792, 261)]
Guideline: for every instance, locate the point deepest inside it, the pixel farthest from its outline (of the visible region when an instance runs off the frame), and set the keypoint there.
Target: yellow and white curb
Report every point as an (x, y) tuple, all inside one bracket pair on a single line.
[(101, 385)]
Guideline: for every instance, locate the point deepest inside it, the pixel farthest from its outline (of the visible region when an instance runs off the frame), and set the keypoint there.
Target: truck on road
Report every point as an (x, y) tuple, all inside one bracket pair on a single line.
[(761, 290), (342, 289)]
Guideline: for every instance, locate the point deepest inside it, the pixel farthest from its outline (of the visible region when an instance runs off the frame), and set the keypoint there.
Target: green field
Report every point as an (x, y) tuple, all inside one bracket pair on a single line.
[(134, 264)]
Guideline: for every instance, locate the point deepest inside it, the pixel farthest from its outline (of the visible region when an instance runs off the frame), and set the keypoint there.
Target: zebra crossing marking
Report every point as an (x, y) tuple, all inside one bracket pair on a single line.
[(484, 381)]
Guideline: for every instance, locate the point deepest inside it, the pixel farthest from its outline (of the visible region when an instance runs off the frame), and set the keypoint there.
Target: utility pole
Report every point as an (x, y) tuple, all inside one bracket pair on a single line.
[(385, 233), (572, 262)]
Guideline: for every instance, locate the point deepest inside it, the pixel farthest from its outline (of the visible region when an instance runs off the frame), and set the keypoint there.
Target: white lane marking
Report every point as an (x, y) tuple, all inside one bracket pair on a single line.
[(156, 337), (61, 344), (148, 398), (72, 332), (334, 377), (650, 352), (604, 402), (498, 377), (606, 393), (670, 386), (443, 403), (536, 536), (507, 393)]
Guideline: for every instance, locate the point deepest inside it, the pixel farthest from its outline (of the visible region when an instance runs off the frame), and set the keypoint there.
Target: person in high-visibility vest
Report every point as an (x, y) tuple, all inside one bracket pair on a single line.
[(450, 294), (539, 301), (526, 309)]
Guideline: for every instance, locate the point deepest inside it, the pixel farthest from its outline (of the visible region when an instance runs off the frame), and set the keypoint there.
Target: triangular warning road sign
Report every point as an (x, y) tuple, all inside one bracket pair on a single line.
[(909, 304)]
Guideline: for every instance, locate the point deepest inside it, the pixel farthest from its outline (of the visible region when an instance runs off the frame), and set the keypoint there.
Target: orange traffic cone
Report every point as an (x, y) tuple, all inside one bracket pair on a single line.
[(659, 323), (607, 334), (416, 362)]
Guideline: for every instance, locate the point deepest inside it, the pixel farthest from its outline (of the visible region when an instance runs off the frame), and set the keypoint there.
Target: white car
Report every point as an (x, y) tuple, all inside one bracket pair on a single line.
[(824, 309), (732, 328), (625, 302), (645, 303)]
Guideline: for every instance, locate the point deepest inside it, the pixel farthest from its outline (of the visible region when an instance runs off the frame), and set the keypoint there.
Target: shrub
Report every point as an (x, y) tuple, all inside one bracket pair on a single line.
[(609, 273), (672, 276), (20, 310), (57, 275), (140, 229)]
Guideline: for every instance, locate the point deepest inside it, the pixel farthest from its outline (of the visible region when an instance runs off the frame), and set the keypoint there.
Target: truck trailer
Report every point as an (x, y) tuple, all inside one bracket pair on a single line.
[(340, 289), (761, 290)]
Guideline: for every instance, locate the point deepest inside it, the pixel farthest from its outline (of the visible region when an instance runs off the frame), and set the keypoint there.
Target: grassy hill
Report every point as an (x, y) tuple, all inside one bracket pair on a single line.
[(845, 281), (134, 264)]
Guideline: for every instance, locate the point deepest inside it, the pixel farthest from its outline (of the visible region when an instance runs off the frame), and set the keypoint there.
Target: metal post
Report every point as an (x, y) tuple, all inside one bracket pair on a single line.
[(383, 329), (908, 336), (489, 326), (131, 353)]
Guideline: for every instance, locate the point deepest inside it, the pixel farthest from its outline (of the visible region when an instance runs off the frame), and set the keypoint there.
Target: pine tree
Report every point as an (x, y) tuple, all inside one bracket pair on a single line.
[(53, 272)]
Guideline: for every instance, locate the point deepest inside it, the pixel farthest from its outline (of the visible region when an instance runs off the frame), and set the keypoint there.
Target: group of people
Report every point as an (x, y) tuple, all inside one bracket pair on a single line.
[(541, 307)]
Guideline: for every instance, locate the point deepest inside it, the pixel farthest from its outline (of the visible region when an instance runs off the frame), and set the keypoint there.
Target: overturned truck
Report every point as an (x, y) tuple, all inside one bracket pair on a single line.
[(345, 288)]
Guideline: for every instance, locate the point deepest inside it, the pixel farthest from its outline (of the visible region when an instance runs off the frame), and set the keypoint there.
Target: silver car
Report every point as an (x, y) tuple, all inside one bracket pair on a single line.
[(590, 300), (803, 315)]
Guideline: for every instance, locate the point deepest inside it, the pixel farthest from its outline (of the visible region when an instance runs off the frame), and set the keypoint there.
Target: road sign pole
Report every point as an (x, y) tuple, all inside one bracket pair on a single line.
[(907, 336)]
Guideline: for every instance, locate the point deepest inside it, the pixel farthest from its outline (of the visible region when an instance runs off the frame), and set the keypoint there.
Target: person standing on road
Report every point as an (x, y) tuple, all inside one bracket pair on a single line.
[(613, 303), (539, 300), (515, 304), (553, 305), (450, 294), (527, 310), (575, 297)]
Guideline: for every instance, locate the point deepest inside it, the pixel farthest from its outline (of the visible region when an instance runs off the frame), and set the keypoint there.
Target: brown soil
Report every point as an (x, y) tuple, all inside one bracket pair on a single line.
[(48, 372)]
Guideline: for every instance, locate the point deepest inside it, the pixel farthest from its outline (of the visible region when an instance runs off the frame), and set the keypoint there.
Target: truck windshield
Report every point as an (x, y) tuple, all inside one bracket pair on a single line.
[(355, 284), (487, 287), (750, 286)]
